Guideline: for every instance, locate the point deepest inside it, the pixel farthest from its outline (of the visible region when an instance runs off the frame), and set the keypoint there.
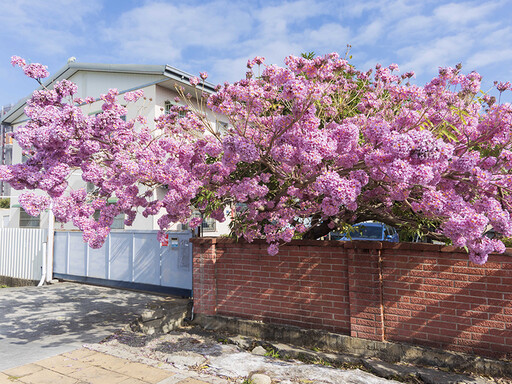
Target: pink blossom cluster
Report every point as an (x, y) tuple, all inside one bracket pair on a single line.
[(134, 96), (194, 80), (33, 70), (311, 147)]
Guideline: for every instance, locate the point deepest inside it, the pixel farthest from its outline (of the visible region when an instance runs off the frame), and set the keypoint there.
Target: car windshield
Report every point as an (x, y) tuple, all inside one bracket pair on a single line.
[(366, 232)]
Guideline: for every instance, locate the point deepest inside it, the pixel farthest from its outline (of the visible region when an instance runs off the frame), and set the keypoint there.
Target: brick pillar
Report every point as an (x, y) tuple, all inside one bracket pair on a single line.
[(365, 291), (204, 276)]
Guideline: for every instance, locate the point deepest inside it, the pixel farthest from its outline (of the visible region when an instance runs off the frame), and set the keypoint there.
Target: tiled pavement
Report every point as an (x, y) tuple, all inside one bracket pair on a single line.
[(84, 366)]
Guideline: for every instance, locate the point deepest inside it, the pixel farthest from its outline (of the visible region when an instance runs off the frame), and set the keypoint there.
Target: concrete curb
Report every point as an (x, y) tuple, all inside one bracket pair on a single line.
[(16, 282)]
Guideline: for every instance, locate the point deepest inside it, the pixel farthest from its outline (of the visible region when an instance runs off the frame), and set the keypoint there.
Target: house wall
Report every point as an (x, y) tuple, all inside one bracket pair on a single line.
[(429, 295), (4, 217), (95, 83)]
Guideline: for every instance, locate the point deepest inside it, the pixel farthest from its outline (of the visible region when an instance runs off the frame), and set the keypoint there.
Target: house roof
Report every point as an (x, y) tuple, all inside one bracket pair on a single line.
[(168, 72)]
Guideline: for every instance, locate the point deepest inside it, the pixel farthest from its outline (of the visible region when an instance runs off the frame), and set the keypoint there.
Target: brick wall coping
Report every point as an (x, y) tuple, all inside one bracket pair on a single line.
[(359, 244)]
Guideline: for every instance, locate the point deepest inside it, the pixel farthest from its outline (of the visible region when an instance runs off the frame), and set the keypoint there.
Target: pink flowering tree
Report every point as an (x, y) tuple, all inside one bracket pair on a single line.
[(311, 147)]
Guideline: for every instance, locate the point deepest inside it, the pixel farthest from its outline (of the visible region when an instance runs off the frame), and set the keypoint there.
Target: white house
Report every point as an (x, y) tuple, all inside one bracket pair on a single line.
[(159, 84)]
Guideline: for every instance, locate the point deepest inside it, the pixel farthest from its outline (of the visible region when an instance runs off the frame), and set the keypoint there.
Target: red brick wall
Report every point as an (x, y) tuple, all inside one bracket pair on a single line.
[(436, 297), (417, 293), (305, 286)]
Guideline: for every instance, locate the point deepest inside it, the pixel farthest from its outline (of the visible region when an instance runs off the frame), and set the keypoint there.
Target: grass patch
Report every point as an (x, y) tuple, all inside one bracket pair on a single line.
[(273, 353)]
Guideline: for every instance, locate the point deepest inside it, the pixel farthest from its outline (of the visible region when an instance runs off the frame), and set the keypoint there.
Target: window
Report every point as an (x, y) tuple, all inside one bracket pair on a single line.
[(167, 109), (7, 139), (7, 156), (118, 222), (25, 155), (90, 187), (27, 221), (209, 225)]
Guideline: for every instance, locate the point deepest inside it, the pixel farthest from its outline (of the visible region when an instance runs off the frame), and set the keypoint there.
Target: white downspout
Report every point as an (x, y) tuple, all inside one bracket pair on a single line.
[(43, 268), (47, 263)]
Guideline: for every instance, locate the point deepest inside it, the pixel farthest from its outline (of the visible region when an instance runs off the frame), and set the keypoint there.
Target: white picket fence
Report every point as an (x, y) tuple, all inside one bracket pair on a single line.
[(21, 252)]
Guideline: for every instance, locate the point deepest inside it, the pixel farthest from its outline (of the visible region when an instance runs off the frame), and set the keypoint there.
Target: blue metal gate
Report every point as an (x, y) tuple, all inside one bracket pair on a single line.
[(128, 259)]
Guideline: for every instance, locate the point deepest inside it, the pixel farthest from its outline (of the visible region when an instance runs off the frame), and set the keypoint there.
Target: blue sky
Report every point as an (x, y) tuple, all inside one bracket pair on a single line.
[(219, 36)]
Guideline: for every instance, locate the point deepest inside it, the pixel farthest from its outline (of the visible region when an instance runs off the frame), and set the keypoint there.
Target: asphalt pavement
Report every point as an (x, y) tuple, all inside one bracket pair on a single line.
[(40, 322)]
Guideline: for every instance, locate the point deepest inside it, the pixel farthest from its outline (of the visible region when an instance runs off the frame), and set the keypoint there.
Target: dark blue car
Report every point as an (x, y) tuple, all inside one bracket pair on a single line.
[(374, 231)]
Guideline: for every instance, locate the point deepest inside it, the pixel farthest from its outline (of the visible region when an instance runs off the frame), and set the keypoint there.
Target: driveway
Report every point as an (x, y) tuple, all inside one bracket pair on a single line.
[(40, 322)]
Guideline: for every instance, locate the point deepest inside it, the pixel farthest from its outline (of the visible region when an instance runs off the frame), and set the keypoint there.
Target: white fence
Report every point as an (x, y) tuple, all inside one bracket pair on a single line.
[(21, 252)]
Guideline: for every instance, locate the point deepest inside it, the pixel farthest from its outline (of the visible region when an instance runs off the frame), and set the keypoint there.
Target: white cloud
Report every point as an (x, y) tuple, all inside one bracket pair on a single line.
[(497, 37), (233, 69), (276, 19), (445, 51), (358, 8), (370, 34), (222, 32), (46, 27), (464, 13), (423, 36), (220, 35), (328, 37), (489, 57), (414, 26), (163, 30)]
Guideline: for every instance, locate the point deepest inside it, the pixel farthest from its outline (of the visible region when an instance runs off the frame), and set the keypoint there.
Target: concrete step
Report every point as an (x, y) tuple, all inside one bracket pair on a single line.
[(163, 316)]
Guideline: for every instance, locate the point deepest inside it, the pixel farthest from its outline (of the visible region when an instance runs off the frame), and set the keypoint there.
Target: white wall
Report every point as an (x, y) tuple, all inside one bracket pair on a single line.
[(94, 84)]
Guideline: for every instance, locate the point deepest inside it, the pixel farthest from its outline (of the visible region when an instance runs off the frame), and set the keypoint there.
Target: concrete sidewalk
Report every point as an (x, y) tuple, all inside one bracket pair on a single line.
[(40, 322), (84, 366)]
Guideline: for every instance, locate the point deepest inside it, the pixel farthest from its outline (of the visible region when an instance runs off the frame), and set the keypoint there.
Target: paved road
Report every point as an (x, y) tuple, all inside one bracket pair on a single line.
[(40, 322)]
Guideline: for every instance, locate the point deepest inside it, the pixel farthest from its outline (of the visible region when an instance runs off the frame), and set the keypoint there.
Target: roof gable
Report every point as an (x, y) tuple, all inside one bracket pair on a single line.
[(94, 79)]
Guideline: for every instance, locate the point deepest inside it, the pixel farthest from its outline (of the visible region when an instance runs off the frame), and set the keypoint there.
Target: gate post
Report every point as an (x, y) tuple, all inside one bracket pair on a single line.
[(365, 290), (49, 244), (204, 275)]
